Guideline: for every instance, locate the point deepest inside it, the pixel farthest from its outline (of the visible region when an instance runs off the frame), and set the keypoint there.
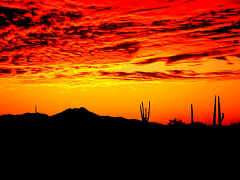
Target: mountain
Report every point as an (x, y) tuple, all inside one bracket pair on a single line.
[(76, 115), (26, 116), (83, 118), (86, 118)]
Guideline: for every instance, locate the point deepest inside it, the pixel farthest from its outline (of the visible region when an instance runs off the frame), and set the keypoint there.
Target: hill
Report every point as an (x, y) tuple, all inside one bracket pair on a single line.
[(82, 117)]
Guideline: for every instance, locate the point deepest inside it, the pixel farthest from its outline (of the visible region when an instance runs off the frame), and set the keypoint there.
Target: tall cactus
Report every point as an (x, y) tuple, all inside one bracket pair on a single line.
[(145, 113), (192, 116), (214, 113), (220, 114)]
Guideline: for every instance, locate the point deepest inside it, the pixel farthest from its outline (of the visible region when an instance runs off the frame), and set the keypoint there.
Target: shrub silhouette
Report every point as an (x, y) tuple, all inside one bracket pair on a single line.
[(176, 123)]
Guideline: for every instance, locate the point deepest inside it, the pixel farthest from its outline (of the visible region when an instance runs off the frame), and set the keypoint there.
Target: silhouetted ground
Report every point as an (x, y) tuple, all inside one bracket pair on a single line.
[(84, 117)]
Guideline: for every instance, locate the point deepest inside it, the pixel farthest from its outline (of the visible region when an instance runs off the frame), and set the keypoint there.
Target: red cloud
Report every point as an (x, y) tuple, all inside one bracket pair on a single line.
[(64, 34)]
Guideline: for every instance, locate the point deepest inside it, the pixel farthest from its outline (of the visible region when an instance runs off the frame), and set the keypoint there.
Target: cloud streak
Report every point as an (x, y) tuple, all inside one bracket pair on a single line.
[(37, 35), (170, 75)]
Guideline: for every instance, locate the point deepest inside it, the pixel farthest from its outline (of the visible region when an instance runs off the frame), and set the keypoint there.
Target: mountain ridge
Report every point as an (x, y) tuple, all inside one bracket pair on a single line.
[(82, 116)]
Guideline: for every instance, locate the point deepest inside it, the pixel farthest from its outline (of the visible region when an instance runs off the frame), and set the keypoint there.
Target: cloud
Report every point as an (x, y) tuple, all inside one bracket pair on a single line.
[(223, 29), (114, 26), (4, 71), (3, 59), (144, 10), (147, 76), (36, 35), (72, 76), (191, 57), (170, 75), (129, 47), (220, 33), (226, 37), (237, 55), (20, 71), (11, 16), (224, 58)]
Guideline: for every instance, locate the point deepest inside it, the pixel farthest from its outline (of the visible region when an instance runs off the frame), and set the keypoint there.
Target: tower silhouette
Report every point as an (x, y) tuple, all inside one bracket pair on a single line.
[(36, 110)]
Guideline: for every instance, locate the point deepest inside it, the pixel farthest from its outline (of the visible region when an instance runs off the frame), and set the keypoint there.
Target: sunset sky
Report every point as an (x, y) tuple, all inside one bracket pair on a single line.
[(109, 55)]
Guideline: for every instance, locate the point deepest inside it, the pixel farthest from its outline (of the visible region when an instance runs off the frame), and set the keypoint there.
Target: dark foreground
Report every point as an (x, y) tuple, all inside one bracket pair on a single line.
[(86, 118)]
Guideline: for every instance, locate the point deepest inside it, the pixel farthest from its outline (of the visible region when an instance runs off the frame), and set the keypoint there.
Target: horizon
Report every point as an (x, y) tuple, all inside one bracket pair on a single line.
[(110, 56), (193, 116)]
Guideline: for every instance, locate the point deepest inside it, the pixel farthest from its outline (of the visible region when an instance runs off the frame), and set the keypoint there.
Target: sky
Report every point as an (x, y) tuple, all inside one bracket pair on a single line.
[(109, 56)]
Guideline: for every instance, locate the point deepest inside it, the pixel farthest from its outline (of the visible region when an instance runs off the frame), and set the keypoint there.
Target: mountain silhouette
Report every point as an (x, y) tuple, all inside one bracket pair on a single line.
[(81, 117), (84, 117), (76, 115), (26, 116)]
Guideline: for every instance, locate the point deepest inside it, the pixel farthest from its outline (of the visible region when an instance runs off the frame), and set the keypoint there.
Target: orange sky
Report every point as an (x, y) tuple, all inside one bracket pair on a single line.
[(109, 56)]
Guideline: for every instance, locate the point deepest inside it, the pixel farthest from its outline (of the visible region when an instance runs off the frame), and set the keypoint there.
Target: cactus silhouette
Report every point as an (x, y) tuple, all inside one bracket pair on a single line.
[(145, 113), (192, 116), (220, 114), (214, 113)]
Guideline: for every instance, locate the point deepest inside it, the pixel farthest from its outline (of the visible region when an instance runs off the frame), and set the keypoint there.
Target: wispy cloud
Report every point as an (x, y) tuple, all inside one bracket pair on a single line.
[(170, 75), (63, 34)]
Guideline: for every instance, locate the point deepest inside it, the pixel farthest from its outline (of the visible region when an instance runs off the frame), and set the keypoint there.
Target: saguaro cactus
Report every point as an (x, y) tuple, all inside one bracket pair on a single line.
[(145, 113), (214, 113), (192, 116), (220, 114)]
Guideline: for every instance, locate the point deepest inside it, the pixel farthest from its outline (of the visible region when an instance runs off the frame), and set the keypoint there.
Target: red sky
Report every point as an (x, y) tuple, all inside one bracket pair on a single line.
[(109, 55)]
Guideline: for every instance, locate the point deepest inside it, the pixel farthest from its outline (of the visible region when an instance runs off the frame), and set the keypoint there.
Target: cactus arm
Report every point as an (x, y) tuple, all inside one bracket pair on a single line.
[(145, 115), (149, 106), (222, 117), (141, 111), (219, 112)]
